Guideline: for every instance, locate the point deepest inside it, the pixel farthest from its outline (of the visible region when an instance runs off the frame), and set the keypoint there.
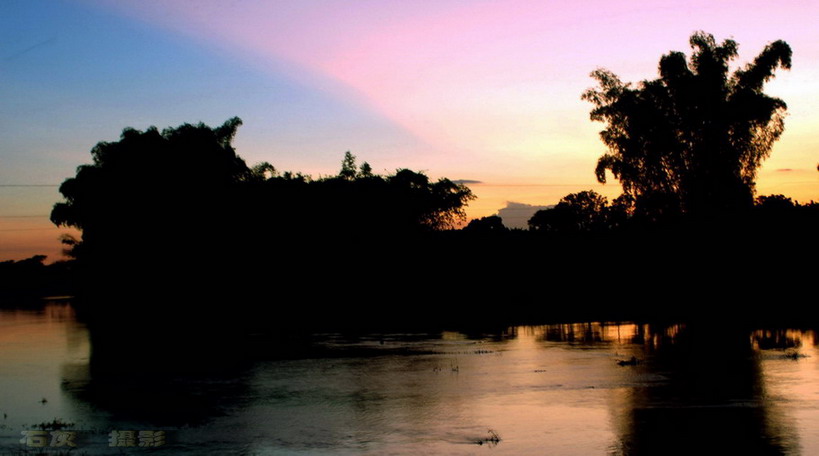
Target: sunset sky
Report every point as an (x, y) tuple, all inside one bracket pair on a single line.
[(484, 91)]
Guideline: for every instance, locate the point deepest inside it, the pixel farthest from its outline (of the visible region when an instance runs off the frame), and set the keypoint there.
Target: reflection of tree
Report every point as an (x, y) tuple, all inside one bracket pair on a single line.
[(338, 392), (610, 333), (573, 333), (776, 339), (710, 400), (154, 395)]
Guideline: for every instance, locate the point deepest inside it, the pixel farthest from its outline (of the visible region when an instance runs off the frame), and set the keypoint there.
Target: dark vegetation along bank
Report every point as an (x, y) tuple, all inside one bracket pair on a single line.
[(180, 235)]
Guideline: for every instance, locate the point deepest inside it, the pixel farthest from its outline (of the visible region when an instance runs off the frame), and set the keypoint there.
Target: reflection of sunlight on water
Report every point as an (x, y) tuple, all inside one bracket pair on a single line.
[(551, 389), (442, 395), (35, 345), (790, 367)]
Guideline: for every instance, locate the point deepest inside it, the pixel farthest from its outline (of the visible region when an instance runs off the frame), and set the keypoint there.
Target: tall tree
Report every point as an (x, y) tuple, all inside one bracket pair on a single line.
[(691, 141), (151, 187), (348, 167)]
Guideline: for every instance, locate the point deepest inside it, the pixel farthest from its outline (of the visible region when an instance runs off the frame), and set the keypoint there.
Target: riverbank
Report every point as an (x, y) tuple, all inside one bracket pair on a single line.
[(735, 271)]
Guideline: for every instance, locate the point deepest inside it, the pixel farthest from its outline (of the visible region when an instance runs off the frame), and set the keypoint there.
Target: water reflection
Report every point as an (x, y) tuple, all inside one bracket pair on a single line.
[(612, 333), (767, 339), (555, 389), (712, 399)]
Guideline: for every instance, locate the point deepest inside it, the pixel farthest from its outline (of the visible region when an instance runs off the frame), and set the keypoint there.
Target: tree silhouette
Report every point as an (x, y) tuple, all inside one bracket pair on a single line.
[(486, 225), (348, 167), (777, 203), (365, 170), (692, 140), (360, 203), (432, 205), (31, 278), (185, 192), (154, 188), (576, 212), (175, 226)]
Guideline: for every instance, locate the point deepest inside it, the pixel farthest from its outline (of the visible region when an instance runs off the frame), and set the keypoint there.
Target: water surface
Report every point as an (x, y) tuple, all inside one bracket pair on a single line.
[(555, 389)]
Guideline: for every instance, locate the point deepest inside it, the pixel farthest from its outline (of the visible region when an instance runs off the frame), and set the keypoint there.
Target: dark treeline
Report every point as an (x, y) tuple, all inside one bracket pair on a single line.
[(178, 230), (590, 212), (179, 234), (686, 238), (30, 279)]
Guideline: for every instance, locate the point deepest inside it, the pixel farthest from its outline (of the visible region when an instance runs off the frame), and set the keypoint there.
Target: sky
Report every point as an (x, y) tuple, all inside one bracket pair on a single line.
[(485, 91)]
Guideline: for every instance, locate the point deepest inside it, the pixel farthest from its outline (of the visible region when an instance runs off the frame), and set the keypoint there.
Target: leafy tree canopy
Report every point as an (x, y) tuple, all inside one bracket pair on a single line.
[(576, 212), (359, 202), (485, 225), (182, 189), (692, 140), (146, 167)]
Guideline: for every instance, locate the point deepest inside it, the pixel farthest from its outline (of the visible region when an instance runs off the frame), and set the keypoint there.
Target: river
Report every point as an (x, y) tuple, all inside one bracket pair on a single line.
[(568, 389)]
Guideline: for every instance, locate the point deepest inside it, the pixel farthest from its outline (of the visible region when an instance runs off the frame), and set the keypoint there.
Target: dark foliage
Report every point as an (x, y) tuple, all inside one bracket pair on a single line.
[(152, 190), (486, 225), (585, 211), (690, 141), (175, 226), (181, 236), (31, 278), (188, 188)]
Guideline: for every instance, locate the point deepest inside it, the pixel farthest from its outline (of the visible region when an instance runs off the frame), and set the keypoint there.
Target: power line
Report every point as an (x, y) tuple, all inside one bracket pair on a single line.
[(28, 185), (3, 230)]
